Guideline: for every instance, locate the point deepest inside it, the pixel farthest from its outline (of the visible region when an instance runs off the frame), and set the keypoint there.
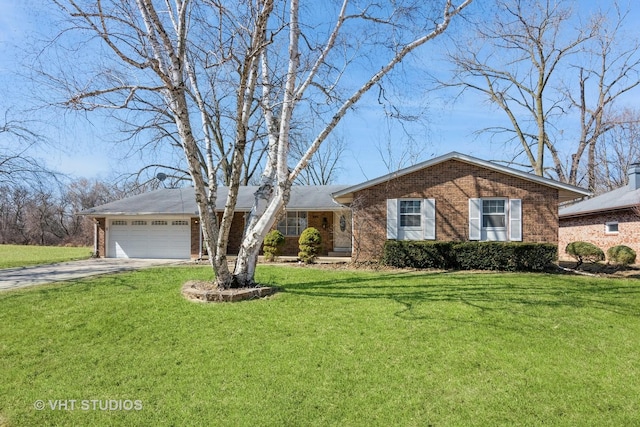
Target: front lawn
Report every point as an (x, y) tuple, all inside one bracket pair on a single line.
[(22, 255), (332, 348)]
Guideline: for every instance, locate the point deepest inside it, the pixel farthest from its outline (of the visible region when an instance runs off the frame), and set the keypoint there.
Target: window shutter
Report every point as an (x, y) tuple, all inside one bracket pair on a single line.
[(392, 218), (429, 219), (475, 209), (515, 220)]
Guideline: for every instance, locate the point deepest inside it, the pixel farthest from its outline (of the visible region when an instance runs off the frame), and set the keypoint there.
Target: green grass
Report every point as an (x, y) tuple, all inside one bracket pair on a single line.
[(21, 256), (338, 348)]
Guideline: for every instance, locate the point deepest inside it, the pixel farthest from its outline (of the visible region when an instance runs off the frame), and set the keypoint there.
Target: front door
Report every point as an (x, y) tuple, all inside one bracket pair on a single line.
[(342, 231)]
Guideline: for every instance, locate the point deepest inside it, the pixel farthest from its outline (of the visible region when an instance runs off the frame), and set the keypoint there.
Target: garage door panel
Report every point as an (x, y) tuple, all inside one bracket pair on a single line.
[(150, 239)]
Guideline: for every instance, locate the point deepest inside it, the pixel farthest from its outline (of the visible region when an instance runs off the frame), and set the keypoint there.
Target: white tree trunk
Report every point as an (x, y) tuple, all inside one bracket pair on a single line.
[(270, 199)]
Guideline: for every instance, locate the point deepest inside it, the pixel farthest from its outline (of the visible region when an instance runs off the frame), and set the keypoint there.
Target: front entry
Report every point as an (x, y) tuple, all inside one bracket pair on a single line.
[(342, 231)]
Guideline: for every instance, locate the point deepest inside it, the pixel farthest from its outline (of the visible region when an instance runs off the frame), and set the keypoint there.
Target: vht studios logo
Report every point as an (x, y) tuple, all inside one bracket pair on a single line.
[(88, 405)]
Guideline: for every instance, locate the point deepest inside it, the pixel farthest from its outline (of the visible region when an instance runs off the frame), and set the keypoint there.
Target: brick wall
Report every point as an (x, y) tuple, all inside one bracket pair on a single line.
[(236, 232), (316, 220), (452, 184), (591, 228), (195, 238), (102, 241), (235, 235)]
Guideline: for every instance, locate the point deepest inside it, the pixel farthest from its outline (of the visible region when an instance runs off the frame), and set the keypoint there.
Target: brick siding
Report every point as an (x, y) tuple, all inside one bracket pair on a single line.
[(235, 235), (591, 228), (102, 241), (315, 220), (452, 183), (291, 246), (195, 238)]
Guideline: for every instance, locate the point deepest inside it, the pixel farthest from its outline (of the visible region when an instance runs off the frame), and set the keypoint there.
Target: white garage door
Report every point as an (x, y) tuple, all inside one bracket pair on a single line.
[(149, 238)]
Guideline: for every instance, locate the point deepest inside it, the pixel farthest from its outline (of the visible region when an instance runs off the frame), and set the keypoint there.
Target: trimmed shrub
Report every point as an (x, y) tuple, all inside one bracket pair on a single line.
[(273, 242), (418, 254), (309, 244), (621, 254), (584, 251), (503, 256)]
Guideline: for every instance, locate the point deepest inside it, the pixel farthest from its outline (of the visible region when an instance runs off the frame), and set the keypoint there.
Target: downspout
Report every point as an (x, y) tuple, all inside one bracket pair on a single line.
[(200, 238)]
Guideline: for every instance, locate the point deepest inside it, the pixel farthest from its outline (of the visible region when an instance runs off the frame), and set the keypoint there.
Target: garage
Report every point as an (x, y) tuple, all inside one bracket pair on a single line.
[(149, 238)]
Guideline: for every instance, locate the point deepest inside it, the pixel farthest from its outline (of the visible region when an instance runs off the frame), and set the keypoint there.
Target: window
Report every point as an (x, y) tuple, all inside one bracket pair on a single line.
[(118, 222), (138, 222), (495, 219), (157, 222), (611, 228), (411, 219), (293, 223), (409, 213), (180, 222), (494, 214)]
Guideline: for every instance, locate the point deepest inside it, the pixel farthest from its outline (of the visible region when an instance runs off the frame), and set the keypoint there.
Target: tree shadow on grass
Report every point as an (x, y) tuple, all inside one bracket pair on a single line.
[(521, 294)]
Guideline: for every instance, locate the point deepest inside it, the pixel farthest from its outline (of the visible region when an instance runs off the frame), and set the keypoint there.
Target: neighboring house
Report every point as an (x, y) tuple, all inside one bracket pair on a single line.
[(451, 197), (606, 220), (454, 197)]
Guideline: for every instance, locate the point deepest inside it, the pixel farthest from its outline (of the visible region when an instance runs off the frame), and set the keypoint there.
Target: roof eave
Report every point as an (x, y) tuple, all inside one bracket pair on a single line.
[(567, 192), (595, 211)]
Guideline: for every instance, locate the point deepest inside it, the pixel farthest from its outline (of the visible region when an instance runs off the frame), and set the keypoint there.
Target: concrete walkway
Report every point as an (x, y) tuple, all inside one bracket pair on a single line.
[(15, 278)]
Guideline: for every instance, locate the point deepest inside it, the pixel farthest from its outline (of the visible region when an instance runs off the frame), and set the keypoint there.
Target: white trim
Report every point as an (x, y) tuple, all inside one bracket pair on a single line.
[(392, 219), (495, 234), (609, 223), (515, 220), (475, 219), (429, 219)]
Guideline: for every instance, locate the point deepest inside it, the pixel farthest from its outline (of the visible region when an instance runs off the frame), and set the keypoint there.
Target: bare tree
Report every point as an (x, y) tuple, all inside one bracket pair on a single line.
[(512, 61), (526, 63), (612, 69), (325, 163), (618, 149), (46, 214), (277, 59), (18, 166)]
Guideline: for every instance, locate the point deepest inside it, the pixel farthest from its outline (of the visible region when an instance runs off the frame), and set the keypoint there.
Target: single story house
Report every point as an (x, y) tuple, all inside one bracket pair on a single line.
[(451, 197), (164, 223), (455, 197), (607, 220)]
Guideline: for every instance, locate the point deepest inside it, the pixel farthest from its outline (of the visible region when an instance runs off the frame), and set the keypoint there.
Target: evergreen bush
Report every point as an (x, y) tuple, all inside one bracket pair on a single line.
[(584, 251), (503, 256), (309, 244), (418, 254), (621, 254), (273, 242)]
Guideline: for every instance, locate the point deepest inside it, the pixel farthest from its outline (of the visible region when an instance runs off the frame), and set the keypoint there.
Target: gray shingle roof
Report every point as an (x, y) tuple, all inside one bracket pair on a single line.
[(181, 201), (620, 198)]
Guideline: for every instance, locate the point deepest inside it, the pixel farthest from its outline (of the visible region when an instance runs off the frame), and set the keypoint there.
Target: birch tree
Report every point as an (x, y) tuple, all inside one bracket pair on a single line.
[(276, 59)]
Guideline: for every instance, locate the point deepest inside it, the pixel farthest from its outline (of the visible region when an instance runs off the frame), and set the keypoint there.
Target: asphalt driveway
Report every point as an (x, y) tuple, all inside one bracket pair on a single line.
[(15, 278)]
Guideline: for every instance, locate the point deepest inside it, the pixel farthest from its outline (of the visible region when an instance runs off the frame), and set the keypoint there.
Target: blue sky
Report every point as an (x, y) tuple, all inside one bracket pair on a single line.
[(81, 148)]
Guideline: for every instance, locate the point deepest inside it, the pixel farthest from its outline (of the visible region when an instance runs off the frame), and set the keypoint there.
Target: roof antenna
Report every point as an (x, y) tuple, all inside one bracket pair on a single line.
[(161, 177)]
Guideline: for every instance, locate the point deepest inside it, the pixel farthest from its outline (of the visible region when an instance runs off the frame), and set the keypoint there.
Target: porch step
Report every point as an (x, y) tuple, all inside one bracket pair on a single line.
[(339, 254)]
